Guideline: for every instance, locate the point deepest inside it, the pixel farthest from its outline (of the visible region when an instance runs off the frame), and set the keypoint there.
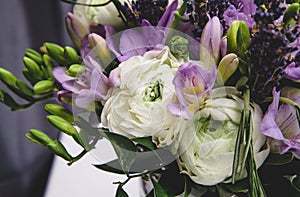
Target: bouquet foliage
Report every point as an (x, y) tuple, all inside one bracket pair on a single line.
[(196, 97)]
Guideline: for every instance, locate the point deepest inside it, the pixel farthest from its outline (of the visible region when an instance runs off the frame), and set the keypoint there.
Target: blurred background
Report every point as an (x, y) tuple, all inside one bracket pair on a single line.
[(24, 166)]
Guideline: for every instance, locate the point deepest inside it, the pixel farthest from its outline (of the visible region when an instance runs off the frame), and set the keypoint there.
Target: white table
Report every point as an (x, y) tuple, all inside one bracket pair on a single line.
[(82, 179)]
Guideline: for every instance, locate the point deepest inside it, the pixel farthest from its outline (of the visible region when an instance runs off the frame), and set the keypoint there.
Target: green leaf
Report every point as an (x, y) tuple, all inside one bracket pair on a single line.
[(241, 83), (121, 192), (145, 141), (112, 166), (294, 180), (124, 148), (86, 127), (275, 159), (158, 190)]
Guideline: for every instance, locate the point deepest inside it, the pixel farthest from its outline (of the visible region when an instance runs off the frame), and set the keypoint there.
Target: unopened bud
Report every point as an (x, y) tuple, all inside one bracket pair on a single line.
[(60, 111), (76, 29), (34, 55), (32, 67), (43, 87), (71, 55), (227, 66), (99, 47), (75, 70), (56, 52)]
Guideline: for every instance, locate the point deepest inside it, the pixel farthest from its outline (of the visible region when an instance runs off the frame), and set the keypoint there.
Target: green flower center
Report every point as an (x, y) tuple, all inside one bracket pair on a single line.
[(153, 92)]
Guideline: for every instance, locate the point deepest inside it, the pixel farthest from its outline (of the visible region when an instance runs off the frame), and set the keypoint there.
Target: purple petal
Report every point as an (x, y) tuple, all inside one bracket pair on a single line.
[(132, 43), (179, 111), (168, 17), (269, 126), (60, 75), (292, 71)]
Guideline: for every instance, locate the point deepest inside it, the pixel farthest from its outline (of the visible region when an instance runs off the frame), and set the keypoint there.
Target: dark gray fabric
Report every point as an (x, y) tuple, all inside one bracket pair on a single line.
[(24, 166)]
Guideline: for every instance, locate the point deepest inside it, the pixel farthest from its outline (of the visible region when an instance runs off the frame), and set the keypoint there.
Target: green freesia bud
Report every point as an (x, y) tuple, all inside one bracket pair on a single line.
[(8, 100), (29, 76), (232, 36), (75, 70), (60, 111), (58, 149), (71, 55), (43, 87), (56, 52), (41, 137), (34, 55), (16, 85), (291, 11), (238, 38), (65, 127), (99, 47), (227, 66), (243, 39), (32, 67), (49, 64), (179, 47), (32, 139)]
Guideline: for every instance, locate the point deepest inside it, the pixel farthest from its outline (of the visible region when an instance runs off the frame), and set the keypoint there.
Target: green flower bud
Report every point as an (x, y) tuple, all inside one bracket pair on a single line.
[(40, 137), (65, 127), (227, 66), (292, 10), (32, 67), (43, 87), (29, 77), (32, 139), (179, 47), (71, 55), (16, 85), (34, 55), (56, 52), (75, 70), (232, 36), (8, 100), (49, 64), (58, 149), (60, 111)]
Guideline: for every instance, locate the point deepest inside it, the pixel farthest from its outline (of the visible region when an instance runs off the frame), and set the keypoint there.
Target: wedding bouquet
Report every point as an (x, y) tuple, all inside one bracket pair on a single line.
[(196, 97)]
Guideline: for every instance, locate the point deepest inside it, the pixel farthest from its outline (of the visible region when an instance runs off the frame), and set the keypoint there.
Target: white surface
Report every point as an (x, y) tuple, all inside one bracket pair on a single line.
[(82, 179)]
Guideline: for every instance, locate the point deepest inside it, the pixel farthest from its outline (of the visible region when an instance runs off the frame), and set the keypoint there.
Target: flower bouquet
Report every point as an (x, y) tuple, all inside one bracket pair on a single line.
[(196, 97)]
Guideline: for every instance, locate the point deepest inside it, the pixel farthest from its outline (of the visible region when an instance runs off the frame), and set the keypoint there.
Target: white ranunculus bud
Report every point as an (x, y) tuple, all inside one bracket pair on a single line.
[(213, 130)]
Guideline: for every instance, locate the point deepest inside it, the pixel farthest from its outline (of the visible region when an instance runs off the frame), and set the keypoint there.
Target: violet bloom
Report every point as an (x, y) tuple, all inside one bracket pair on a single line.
[(192, 82), (280, 123), (241, 10)]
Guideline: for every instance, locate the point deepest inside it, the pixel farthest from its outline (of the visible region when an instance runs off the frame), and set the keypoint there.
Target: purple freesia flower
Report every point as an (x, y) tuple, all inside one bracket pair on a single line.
[(241, 10), (191, 82), (292, 71), (281, 125)]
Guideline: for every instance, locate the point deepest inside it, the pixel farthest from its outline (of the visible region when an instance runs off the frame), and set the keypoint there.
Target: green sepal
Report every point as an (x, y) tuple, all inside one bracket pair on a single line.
[(43, 87), (60, 111)]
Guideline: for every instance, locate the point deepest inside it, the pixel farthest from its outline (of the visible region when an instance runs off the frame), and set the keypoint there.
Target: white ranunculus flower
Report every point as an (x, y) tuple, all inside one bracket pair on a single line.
[(139, 106), (107, 14), (213, 130)]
